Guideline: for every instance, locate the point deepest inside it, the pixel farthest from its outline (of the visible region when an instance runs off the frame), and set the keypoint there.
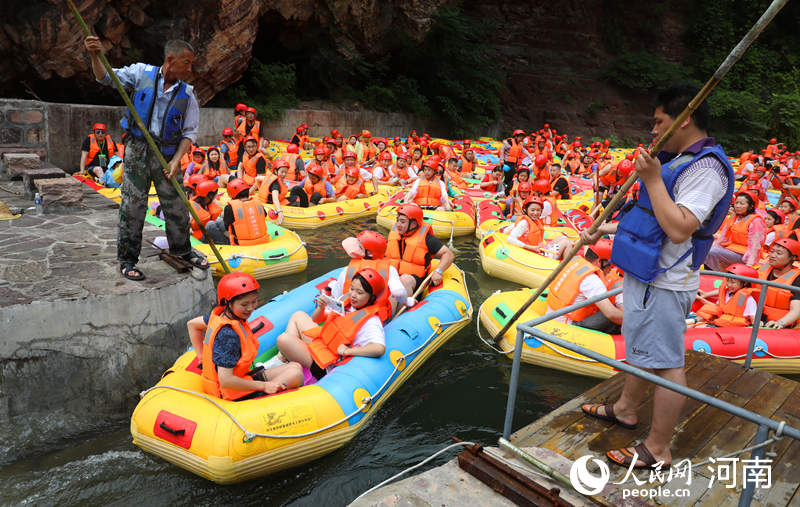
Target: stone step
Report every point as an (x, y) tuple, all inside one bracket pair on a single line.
[(15, 163), (29, 177), (60, 192)]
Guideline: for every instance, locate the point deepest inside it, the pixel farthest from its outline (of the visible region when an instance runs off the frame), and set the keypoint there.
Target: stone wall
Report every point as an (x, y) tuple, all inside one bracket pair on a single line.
[(23, 127), (56, 131)]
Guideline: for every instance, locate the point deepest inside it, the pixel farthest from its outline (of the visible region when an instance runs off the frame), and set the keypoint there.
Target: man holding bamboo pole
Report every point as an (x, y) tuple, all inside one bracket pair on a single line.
[(168, 107), (660, 243)]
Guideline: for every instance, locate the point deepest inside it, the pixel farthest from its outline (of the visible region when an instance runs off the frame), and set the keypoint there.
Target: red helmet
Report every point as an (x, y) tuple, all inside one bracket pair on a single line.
[(279, 164), (629, 156), (791, 200), (742, 270), (373, 242), (780, 215), (531, 200), (541, 185), (251, 109), (541, 160), (423, 143), (606, 142), (305, 126), (317, 171), (348, 154), (602, 248), (411, 211), (547, 125), (790, 244), (194, 180), (374, 279), (235, 284), (248, 139), (206, 187), (773, 141), (240, 107), (335, 133), (466, 142), (748, 193), (524, 186), (227, 132), (434, 145), (518, 132), (99, 126), (402, 156), (432, 162), (385, 155), (366, 133), (199, 151), (319, 150), (396, 139), (299, 130), (625, 167), (353, 172), (236, 186), (576, 144), (292, 148)]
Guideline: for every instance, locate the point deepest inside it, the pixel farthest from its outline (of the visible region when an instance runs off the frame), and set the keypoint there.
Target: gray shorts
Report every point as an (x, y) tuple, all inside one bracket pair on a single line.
[(654, 329)]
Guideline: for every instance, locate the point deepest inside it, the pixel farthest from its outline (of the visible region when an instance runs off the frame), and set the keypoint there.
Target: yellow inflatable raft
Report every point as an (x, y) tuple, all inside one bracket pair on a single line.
[(330, 213), (503, 260), (445, 224), (490, 219), (228, 442)]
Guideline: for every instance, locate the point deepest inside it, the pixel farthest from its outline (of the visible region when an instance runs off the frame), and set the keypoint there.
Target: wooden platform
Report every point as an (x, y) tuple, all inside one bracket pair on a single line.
[(702, 431)]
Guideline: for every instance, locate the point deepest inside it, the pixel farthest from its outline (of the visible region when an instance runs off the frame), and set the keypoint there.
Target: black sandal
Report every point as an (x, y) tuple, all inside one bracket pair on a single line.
[(196, 260), (131, 272)]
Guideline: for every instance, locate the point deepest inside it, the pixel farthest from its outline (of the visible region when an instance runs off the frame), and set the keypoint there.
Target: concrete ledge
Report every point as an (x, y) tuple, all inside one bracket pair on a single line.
[(29, 177)]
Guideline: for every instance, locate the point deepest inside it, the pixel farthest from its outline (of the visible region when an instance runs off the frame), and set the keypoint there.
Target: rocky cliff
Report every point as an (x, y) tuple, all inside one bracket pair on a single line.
[(553, 54)]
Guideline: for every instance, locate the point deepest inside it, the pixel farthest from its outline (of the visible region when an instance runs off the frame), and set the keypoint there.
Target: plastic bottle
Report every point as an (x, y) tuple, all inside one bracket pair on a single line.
[(37, 201)]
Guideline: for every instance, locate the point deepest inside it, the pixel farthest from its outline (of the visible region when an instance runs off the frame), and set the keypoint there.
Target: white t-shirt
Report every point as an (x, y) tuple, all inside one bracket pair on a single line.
[(698, 189), (371, 332), (380, 173), (590, 287), (769, 239)]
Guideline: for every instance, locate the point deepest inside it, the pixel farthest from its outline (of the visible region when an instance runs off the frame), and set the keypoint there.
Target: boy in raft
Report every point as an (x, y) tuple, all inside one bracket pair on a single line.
[(517, 199), (243, 221), (229, 147), (782, 308), (467, 163), (412, 245), (512, 152), (528, 232), (367, 250), (96, 152), (196, 165), (404, 172), (273, 189), (226, 346), (559, 184), (351, 186), (428, 191), (204, 205), (583, 278), (359, 332), (735, 306), (383, 172), (252, 163), (493, 181), (312, 190)]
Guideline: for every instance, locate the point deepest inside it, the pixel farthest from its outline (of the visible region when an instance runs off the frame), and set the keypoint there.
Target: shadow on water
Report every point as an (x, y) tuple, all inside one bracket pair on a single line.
[(461, 390)]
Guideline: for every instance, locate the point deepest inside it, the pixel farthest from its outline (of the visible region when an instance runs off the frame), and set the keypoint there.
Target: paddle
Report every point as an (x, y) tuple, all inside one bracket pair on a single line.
[(723, 69), (149, 138), (422, 285)]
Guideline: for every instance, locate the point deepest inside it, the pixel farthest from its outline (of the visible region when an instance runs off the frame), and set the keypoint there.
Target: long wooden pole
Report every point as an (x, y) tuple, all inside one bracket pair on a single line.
[(148, 137), (701, 96)]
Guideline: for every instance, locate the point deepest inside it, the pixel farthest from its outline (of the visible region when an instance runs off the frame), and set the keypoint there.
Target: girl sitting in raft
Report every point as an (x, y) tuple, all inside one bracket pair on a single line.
[(741, 235), (528, 232), (359, 332), (215, 166), (514, 200), (493, 181), (776, 229), (735, 306), (226, 346)]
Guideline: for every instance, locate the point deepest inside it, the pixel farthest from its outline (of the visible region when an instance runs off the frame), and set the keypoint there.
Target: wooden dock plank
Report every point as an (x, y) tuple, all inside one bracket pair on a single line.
[(786, 466)]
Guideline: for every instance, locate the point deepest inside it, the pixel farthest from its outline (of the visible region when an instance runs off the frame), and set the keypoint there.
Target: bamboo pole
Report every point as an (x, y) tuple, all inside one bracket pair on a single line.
[(148, 137), (701, 96)]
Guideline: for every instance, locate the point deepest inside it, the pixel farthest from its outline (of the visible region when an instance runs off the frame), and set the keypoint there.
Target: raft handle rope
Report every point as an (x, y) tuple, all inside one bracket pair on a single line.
[(252, 257), (365, 402), (507, 250)]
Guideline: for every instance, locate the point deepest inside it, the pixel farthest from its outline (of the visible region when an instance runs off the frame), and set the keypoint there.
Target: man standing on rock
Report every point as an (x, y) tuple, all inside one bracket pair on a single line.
[(167, 105)]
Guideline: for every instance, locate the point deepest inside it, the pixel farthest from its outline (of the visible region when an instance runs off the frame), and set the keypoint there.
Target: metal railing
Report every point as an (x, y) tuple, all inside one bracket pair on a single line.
[(765, 424)]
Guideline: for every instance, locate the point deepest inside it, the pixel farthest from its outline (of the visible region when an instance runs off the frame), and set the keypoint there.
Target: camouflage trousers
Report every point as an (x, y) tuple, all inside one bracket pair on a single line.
[(140, 169)]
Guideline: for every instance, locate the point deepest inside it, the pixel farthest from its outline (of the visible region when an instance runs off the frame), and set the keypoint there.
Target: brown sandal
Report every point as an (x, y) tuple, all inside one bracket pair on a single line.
[(593, 411), (642, 454)]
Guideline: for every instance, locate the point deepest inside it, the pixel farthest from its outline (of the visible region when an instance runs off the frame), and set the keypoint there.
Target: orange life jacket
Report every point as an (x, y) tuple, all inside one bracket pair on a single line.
[(350, 191), (203, 214), (466, 165), (730, 313), (535, 234), (552, 218), (254, 131), (249, 166), (736, 233), (515, 152), (233, 151), (456, 179), (771, 151), (368, 152), (567, 286), (781, 231), (403, 173), (95, 148), (381, 266), (249, 350), (415, 258), (239, 119), (337, 330), (387, 173), (186, 159), (319, 186), (429, 193), (265, 196), (291, 158), (777, 302), (249, 225), (211, 173)]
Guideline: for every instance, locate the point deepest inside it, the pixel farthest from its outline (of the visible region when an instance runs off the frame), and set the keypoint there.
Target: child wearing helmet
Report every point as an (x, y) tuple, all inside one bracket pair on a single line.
[(782, 307), (204, 206), (741, 235), (313, 189), (243, 220), (586, 277), (359, 332), (528, 231), (382, 171), (252, 163), (405, 173), (112, 178), (229, 148), (250, 127), (429, 191), (226, 346), (351, 186), (296, 165), (735, 306), (96, 152)]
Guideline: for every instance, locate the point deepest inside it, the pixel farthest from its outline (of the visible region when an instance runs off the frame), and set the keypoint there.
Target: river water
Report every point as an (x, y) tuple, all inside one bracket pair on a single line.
[(460, 391)]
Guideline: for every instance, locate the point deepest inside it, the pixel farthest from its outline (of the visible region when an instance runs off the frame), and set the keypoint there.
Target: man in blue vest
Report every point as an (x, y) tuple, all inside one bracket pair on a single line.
[(660, 243), (168, 107)]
